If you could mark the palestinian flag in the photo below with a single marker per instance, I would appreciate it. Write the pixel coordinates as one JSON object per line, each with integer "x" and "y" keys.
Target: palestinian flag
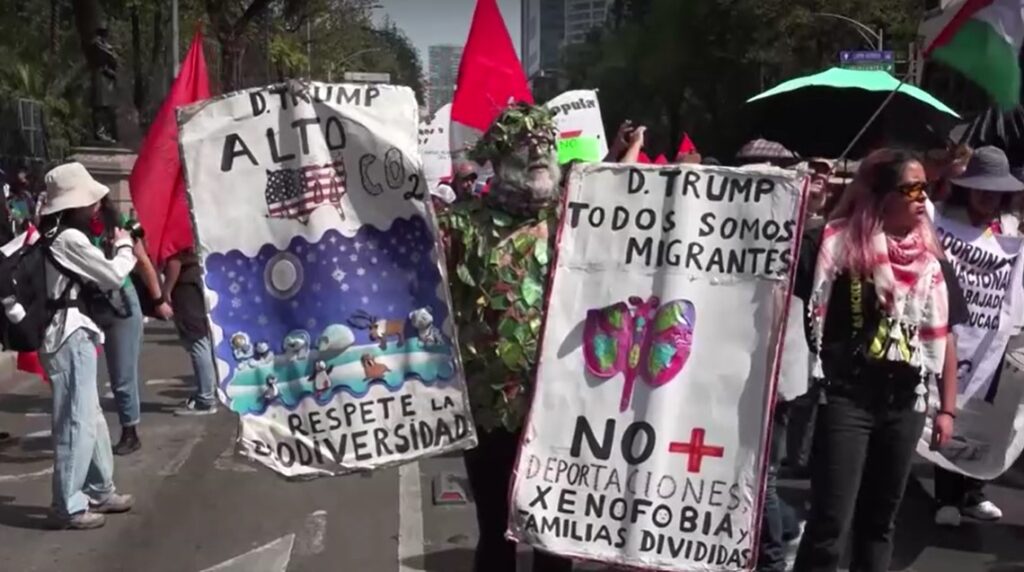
{"x": 982, "y": 40}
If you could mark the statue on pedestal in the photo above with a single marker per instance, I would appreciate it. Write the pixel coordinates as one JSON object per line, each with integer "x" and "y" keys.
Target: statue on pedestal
{"x": 103, "y": 64}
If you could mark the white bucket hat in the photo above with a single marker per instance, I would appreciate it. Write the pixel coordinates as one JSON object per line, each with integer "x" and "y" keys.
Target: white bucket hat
{"x": 70, "y": 186}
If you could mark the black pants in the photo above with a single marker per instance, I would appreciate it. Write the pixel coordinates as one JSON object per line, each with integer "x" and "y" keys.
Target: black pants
{"x": 864, "y": 443}
{"x": 489, "y": 468}
{"x": 800, "y": 430}
{"x": 957, "y": 490}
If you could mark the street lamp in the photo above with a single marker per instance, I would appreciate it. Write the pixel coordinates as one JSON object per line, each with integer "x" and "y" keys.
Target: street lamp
{"x": 874, "y": 38}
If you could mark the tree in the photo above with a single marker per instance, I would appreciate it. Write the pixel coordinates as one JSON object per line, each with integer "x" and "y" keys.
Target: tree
{"x": 690, "y": 66}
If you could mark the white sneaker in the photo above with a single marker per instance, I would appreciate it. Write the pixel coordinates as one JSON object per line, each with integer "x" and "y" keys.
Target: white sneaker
{"x": 948, "y": 516}
{"x": 986, "y": 510}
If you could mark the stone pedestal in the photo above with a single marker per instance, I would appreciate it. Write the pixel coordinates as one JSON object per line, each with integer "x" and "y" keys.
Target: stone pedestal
{"x": 110, "y": 166}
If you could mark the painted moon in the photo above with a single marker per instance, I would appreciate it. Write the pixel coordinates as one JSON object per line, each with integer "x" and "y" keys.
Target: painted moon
{"x": 283, "y": 275}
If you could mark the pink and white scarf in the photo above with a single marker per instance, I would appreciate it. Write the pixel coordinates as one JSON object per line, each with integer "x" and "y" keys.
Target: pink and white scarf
{"x": 910, "y": 287}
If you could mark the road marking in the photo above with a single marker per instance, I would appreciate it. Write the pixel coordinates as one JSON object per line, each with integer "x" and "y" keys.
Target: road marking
{"x": 25, "y": 476}
{"x": 171, "y": 381}
{"x": 37, "y": 414}
{"x": 174, "y": 465}
{"x": 311, "y": 540}
{"x": 410, "y": 516}
{"x": 271, "y": 557}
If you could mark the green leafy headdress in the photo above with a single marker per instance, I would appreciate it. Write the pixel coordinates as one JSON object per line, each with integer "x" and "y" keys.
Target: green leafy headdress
{"x": 519, "y": 124}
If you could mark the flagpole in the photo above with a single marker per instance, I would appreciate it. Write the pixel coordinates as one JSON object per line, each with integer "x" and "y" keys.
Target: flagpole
{"x": 174, "y": 37}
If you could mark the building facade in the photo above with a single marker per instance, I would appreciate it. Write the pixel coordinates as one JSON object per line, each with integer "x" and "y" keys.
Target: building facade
{"x": 550, "y": 25}
{"x": 443, "y": 64}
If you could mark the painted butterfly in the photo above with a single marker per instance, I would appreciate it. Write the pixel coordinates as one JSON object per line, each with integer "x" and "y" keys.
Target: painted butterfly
{"x": 649, "y": 340}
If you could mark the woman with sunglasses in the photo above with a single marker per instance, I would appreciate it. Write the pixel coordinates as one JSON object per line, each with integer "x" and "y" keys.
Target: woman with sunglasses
{"x": 981, "y": 197}
{"x": 880, "y": 309}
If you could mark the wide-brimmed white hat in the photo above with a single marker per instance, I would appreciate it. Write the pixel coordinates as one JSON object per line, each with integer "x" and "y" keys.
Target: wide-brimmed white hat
{"x": 70, "y": 186}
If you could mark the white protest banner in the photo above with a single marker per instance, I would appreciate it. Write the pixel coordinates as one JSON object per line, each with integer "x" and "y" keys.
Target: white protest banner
{"x": 645, "y": 444}
{"x": 435, "y": 147}
{"x": 578, "y": 114}
{"x": 989, "y": 395}
{"x": 329, "y": 309}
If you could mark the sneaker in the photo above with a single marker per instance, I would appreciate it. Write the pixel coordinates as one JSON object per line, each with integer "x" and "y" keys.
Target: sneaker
{"x": 129, "y": 442}
{"x": 948, "y": 516}
{"x": 194, "y": 407}
{"x": 986, "y": 510}
{"x": 114, "y": 504}
{"x": 793, "y": 546}
{"x": 84, "y": 520}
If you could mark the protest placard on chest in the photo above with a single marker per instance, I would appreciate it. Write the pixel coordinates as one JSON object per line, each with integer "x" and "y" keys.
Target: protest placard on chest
{"x": 989, "y": 271}
{"x": 645, "y": 441}
{"x": 328, "y": 305}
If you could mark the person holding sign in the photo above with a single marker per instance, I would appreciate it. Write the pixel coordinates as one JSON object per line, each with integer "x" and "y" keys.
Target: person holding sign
{"x": 501, "y": 247}
{"x": 981, "y": 198}
{"x": 880, "y": 310}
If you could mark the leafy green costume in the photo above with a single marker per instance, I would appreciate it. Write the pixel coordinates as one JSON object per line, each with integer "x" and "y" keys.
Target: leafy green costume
{"x": 499, "y": 256}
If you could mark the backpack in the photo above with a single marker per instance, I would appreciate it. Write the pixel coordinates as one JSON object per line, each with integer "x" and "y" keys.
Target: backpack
{"x": 26, "y": 311}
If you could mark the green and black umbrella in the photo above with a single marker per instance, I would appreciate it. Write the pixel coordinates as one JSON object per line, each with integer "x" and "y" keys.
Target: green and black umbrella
{"x": 819, "y": 115}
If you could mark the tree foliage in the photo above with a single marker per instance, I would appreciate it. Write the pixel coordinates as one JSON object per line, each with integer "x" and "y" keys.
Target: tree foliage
{"x": 248, "y": 43}
{"x": 690, "y": 66}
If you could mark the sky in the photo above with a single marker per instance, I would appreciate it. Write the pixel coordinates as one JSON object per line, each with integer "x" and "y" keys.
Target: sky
{"x": 429, "y": 22}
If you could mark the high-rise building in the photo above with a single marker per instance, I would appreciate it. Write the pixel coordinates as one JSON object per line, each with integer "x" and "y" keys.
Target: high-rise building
{"x": 581, "y": 16}
{"x": 550, "y": 25}
{"x": 444, "y": 72}
{"x": 543, "y": 29}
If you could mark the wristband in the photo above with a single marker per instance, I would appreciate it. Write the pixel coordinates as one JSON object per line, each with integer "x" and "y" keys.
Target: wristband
{"x": 944, "y": 412}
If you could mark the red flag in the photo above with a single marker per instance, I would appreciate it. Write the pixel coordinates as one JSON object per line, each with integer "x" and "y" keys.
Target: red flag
{"x": 28, "y": 362}
{"x": 490, "y": 77}
{"x": 643, "y": 159}
{"x": 157, "y": 185}
{"x": 660, "y": 160}
{"x": 686, "y": 147}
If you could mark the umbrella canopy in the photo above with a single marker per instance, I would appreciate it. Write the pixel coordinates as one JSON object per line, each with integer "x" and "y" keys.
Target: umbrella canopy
{"x": 997, "y": 128}
{"x": 819, "y": 115}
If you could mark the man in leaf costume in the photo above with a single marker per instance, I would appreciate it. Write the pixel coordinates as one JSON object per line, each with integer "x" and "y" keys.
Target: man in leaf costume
{"x": 499, "y": 255}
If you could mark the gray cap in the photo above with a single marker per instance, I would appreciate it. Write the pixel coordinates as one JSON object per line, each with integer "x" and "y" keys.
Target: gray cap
{"x": 989, "y": 170}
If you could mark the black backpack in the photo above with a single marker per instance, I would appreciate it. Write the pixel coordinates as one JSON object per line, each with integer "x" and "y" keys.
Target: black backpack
{"x": 26, "y": 312}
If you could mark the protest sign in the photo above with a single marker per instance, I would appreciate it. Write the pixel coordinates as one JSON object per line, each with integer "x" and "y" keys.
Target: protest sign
{"x": 328, "y": 307}
{"x": 581, "y": 148}
{"x": 435, "y": 146}
{"x": 578, "y": 114}
{"x": 645, "y": 444}
{"x": 989, "y": 394}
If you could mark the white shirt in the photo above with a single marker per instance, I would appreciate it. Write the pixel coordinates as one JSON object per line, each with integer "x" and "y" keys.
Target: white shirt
{"x": 76, "y": 254}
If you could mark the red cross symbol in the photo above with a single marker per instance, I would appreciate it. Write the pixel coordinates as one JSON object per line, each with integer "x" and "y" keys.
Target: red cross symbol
{"x": 695, "y": 450}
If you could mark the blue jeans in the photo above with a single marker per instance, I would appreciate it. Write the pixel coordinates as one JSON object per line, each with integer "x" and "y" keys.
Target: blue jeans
{"x": 83, "y": 463}
{"x": 122, "y": 348}
{"x": 779, "y": 523}
{"x": 200, "y": 351}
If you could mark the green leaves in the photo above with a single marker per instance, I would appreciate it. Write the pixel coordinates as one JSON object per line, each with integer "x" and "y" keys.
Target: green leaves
{"x": 464, "y": 275}
{"x": 531, "y": 291}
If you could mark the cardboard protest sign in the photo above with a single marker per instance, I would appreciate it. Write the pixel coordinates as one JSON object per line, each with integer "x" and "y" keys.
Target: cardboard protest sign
{"x": 989, "y": 394}
{"x": 328, "y": 305}
{"x": 645, "y": 444}
{"x": 578, "y": 114}
{"x": 580, "y": 148}
{"x": 435, "y": 147}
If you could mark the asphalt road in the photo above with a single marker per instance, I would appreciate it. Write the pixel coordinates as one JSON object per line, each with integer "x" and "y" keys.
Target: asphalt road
{"x": 201, "y": 509}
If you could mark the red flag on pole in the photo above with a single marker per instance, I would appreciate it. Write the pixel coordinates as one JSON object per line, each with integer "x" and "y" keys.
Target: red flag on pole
{"x": 490, "y": 77}
{"x": 157, "y": 185}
